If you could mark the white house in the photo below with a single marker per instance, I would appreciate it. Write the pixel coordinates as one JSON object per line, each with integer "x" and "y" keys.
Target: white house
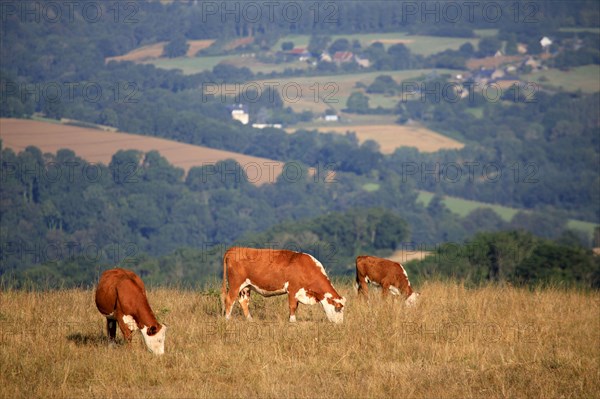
{"x": 545, "y": 42}
{"x": 240, "y": 113}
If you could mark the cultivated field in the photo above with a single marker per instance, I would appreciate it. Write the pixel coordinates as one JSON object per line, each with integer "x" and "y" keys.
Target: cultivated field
{"x": 96, "y": 145}
{"x": 319, "y": 93}
{"x": 584, "y": 78}
{"x": 418, "y": 44}
{"x": 393, "y": 136}
{"x": 456, "y": 343}
{"x": 463, "y": 207}
{"x": 492, "y": 62}
{"x": 153, "y": 51}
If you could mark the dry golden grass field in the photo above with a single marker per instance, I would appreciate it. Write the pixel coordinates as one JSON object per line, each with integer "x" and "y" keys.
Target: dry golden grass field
{"x": 492, "y": 62}
{"x": 96, "y": 145}
{"x": 487, "y": 342}
{"x": 155, "y": 50}
{"x": 393, "y": 136}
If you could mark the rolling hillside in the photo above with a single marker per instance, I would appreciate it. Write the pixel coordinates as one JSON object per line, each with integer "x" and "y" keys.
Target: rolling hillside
{"x": 97, "y": 145}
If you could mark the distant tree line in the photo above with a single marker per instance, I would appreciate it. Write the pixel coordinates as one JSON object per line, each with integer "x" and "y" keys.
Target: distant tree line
{"x": 514, "y": 257}
{"x": 64, "y": 219}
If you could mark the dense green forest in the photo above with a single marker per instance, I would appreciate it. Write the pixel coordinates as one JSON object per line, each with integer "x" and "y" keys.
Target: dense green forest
{"x": 538, "y": 151}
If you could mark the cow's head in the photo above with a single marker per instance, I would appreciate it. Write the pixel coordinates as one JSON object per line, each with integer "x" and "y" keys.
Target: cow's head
{"x": 334, "y": 307}
{"x": 154, "y": 337}
{"x": 412, "y": 298}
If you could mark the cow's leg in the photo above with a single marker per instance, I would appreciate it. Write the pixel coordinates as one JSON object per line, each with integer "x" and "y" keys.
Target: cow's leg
{"x": 293, "y": 302}
{"x": 244, "y": 300}
{"x": 385, "y": 288}
{"x": 363, "y": 286}
{"x": 230, "y": 298}
{"x": 123, "y": 327}
{"x": 111, "y": 329}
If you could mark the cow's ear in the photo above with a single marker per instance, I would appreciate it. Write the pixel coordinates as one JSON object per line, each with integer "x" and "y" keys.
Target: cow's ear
{"x": 151, "y": 331}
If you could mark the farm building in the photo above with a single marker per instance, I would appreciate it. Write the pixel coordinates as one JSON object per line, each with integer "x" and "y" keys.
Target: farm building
{"x": 240, "y": 113}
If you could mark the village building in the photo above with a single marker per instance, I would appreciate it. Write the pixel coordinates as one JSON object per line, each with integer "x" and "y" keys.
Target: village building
{"x": 240, "y": 113}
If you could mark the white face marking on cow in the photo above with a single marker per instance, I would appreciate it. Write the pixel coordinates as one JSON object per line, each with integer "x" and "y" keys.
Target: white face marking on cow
{"x": 412, "y": 299}
{"x": 130, "y": 322}
{"x": 394, "y": 290}
{"x": 332, "y": 314}
{"x": 302, "y": 297}
{"x": 319, "y": 264}
{"x": 155, "y": 343}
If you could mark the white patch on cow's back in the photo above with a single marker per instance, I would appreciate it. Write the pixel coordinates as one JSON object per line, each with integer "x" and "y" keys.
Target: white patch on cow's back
{"x": 319, "y": 265}
{"x": 394, "y": 290}
{"x": 405, "y": 275}
{"x": 130, "y": 322}
{"x": 302, "y": 297}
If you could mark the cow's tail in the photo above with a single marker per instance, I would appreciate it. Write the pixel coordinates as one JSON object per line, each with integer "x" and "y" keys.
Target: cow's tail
{"x": 357, "y": 283}
{"x": 224, "y": 286}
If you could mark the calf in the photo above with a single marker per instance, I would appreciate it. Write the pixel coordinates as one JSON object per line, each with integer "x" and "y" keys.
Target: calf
{"x": 391, "y": 276}
{"x": 121, "y": 297}
{"x": 277, "y": 272}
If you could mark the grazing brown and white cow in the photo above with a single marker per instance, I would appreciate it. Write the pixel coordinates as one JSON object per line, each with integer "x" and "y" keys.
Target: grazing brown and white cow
{"x": 390, "y": 275}
{"x": 121, "y": 297}
{"x": 277, "y": 272}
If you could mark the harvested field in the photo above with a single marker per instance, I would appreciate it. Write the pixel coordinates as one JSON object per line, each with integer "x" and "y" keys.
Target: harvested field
{"x": 492, "y": 62}
{"x": 238, "y": 42}
{"x": 392, "y": 41}
{"x": 390, "y": 137}
{"x": 405, "y": 255}
{"x": 141, "y": 54}
{"x": 155, "y": 50}
{"x": 197, "y": 45}
{"x": 96, "y": 145}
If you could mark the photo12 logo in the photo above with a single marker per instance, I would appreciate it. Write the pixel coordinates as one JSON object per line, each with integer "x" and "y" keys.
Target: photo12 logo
{"x": 252, "y": 92}
{"x": 270, "y": 11}
{"x": 54, "y": 12}
{"x": 68, "y": 92}
{"x": 268, "y": 172}
{"x": 470, "y": 11}
{"x": 452, "y": 92}
{"x": 453, "y": 172}
{"x": 56, "y": 251}
{"x": 70, "y": 172}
